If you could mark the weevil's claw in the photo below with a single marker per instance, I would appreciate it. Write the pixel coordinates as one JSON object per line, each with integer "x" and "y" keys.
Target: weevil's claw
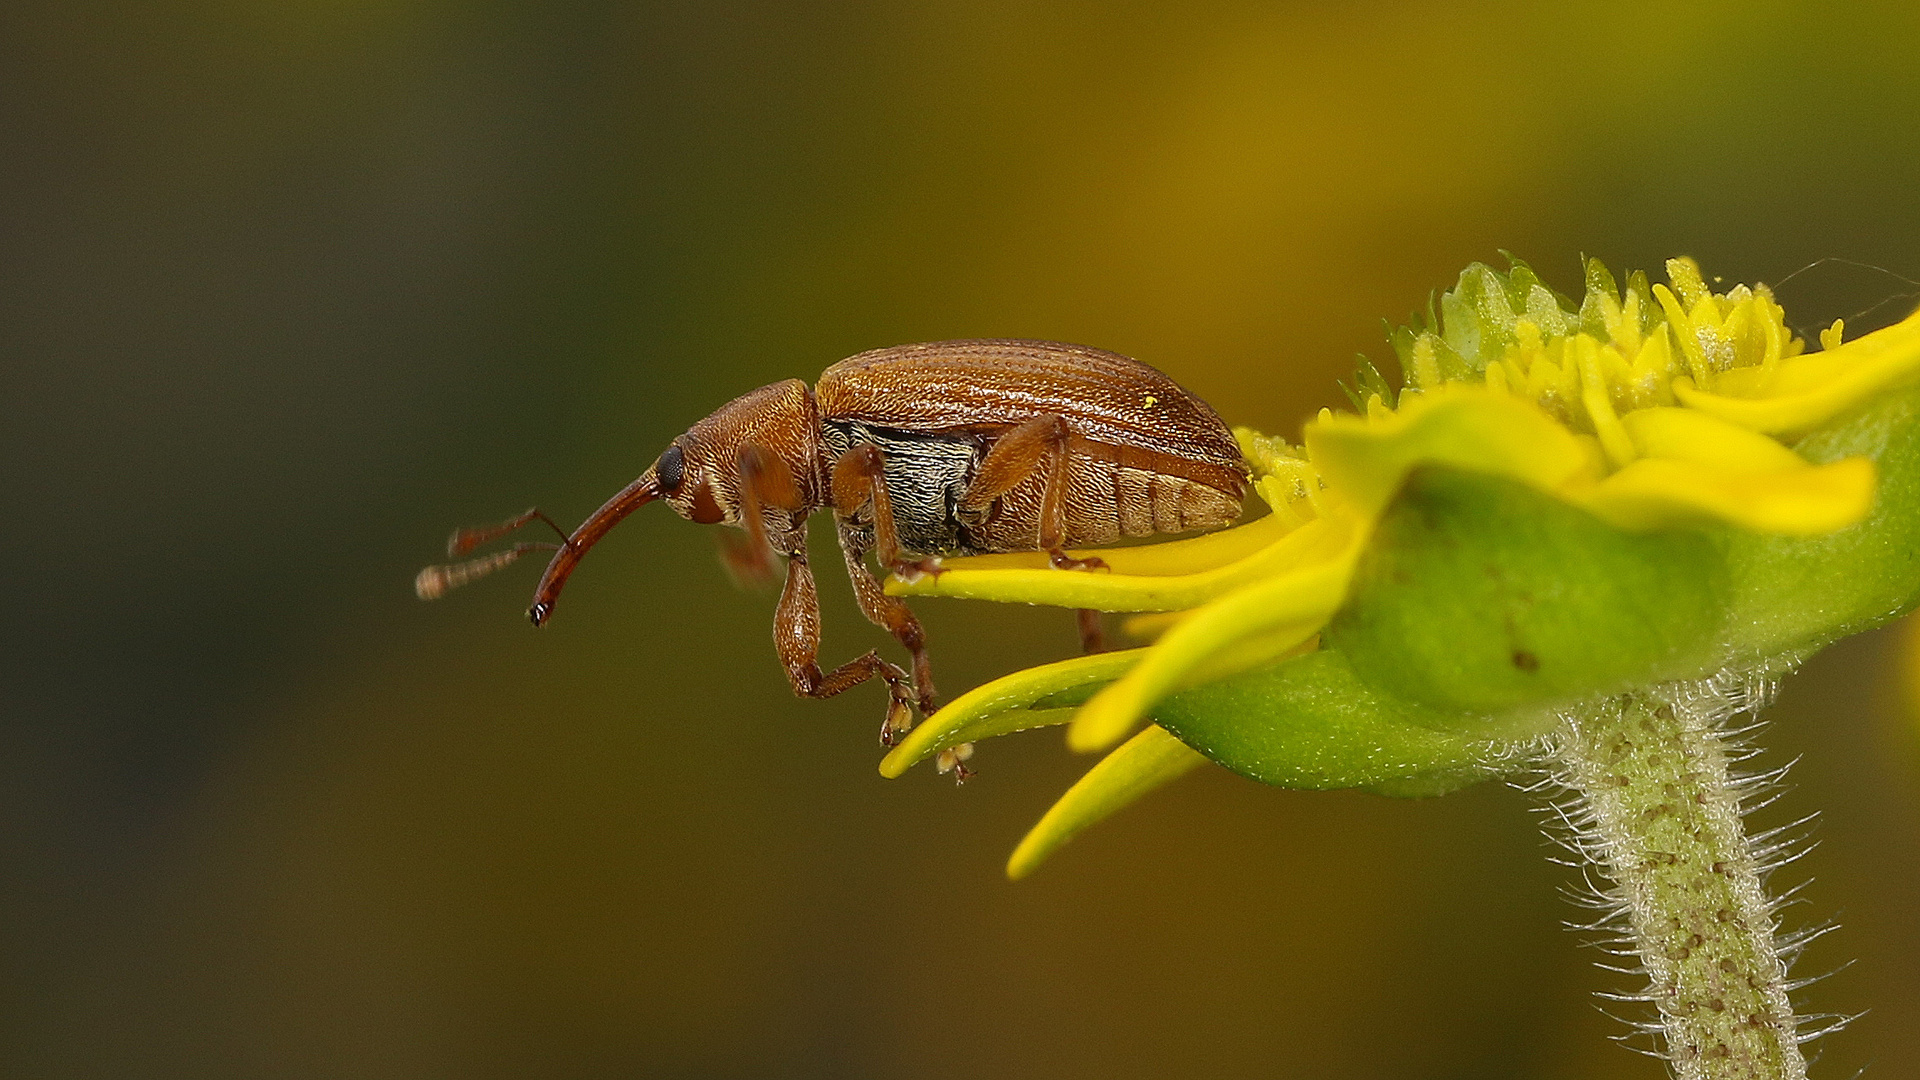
{"x": 914, "y": 569}
{"x": 1063, "y": 561}
{"x": 899, "y": 721}
{"x": 953, "y": 760}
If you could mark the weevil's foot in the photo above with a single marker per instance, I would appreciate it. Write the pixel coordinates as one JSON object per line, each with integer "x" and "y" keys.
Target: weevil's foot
{"x": 953, "y": 760}
{"x": 899, "y": 721}
{"x": 1063, "y": 561}
{"x": 911, "y": 570}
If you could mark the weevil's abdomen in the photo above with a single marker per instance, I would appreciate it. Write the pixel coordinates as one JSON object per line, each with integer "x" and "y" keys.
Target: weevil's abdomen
{"x": 1146, "y": 457}
{"x": 1145, "y": 503}
{"x": 1106, "y": 502}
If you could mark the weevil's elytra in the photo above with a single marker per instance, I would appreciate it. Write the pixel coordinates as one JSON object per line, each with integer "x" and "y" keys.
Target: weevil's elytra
{"x": 945, "y": 448}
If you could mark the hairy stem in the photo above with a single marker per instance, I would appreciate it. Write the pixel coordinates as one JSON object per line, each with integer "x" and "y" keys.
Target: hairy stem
{"x": 1660, "y": 815}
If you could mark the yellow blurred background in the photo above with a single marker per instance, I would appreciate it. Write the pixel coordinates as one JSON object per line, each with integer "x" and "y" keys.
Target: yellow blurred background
{"x": 287, "y": 290}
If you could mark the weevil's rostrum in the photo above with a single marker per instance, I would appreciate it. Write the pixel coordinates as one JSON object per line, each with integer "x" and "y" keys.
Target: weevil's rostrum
{"x": 922, "y": 451}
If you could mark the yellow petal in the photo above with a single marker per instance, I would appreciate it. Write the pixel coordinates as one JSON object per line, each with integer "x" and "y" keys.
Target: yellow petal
{"x": 1147, "y": 762}
{"x": 1005, "y": 705}
{"x": 1832, "y": 336}
{"x": 1151, "y": 625}
{"x": 1107, "y": 591}
{"x": 1804, "y": 500}
{"x": 1265, "y": 453}
{"x": 1186, "y": 556}
{"x": 1805, "y": 391}
{"x": 1260, "y": 621}
{"x": 1288, "y": 488}
{"x": 1585, "y": 352}
{"x": 1471, "y": 427}
{"x": 1684, "y": 331}
{"x": 1693, "y": 436}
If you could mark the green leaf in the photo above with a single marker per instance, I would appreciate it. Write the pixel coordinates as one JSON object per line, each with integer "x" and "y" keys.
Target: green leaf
{"x": 1479, "y": 594}
{"x": 1310, "y": 722}
{"x": 1796, "y": 594}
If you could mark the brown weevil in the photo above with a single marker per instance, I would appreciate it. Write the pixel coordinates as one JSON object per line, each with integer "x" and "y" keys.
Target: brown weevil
{"x": 921, "y": 451}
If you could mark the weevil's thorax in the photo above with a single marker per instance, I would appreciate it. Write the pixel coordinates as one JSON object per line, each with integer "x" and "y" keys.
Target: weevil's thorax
{"x": 926, "y": 474}
{"x": 700, "y": 474}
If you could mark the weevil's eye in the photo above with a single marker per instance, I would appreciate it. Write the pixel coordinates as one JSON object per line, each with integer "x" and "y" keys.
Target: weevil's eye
{"x": 670, "y": 470}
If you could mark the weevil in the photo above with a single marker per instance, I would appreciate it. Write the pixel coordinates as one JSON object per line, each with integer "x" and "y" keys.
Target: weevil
{"x": 921, "y": 452}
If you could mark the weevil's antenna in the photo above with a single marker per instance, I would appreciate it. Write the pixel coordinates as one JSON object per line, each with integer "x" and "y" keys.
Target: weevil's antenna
{"x": 631, "y": 498}
{"x": 465, "y": 540}
{"x": 436, "y": 581}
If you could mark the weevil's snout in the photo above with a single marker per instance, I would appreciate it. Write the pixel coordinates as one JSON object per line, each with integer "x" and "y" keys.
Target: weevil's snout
{"x": 632, "y": 497}
{"x": 697, "y": 475}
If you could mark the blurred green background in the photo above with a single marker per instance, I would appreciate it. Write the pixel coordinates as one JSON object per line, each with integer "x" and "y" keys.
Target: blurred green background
{"x": 289, "y": 289}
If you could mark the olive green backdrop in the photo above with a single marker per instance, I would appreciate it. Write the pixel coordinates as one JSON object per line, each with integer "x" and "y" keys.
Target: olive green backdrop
{"x": 288, "y": 289}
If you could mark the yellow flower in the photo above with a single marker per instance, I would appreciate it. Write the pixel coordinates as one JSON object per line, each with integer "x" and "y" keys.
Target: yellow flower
{"x": 1653, "y": 408}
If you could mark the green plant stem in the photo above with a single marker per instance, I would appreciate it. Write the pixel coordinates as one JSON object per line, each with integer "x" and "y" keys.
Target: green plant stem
{"x": 1661, "y": 817}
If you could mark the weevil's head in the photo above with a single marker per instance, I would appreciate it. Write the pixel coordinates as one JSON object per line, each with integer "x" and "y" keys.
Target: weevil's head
{"x": 772, "y": 431}
{"x": 700, "y": 474}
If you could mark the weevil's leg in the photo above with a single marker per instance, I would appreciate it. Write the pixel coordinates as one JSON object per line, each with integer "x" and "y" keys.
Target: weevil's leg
{"x": 764, "y": 481}
{"x": 796, "y": 636}
{"x": 465, "y": 540}
{"x": 1093, "y": 637}
{"x": 859, "y": 484}
{"x": 1040, "y": 444}
{"x": 889, "y": 612}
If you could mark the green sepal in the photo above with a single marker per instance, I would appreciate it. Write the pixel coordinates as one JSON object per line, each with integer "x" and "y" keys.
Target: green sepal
{"x": 1478, "y": 315}
{"x": 1601, "y": 293}
{"x": 1368, "y": 383}
{"x": 1796, "y": 594}
{"x": 1310, "y": 723}
{"x": 1478, "y": 595}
